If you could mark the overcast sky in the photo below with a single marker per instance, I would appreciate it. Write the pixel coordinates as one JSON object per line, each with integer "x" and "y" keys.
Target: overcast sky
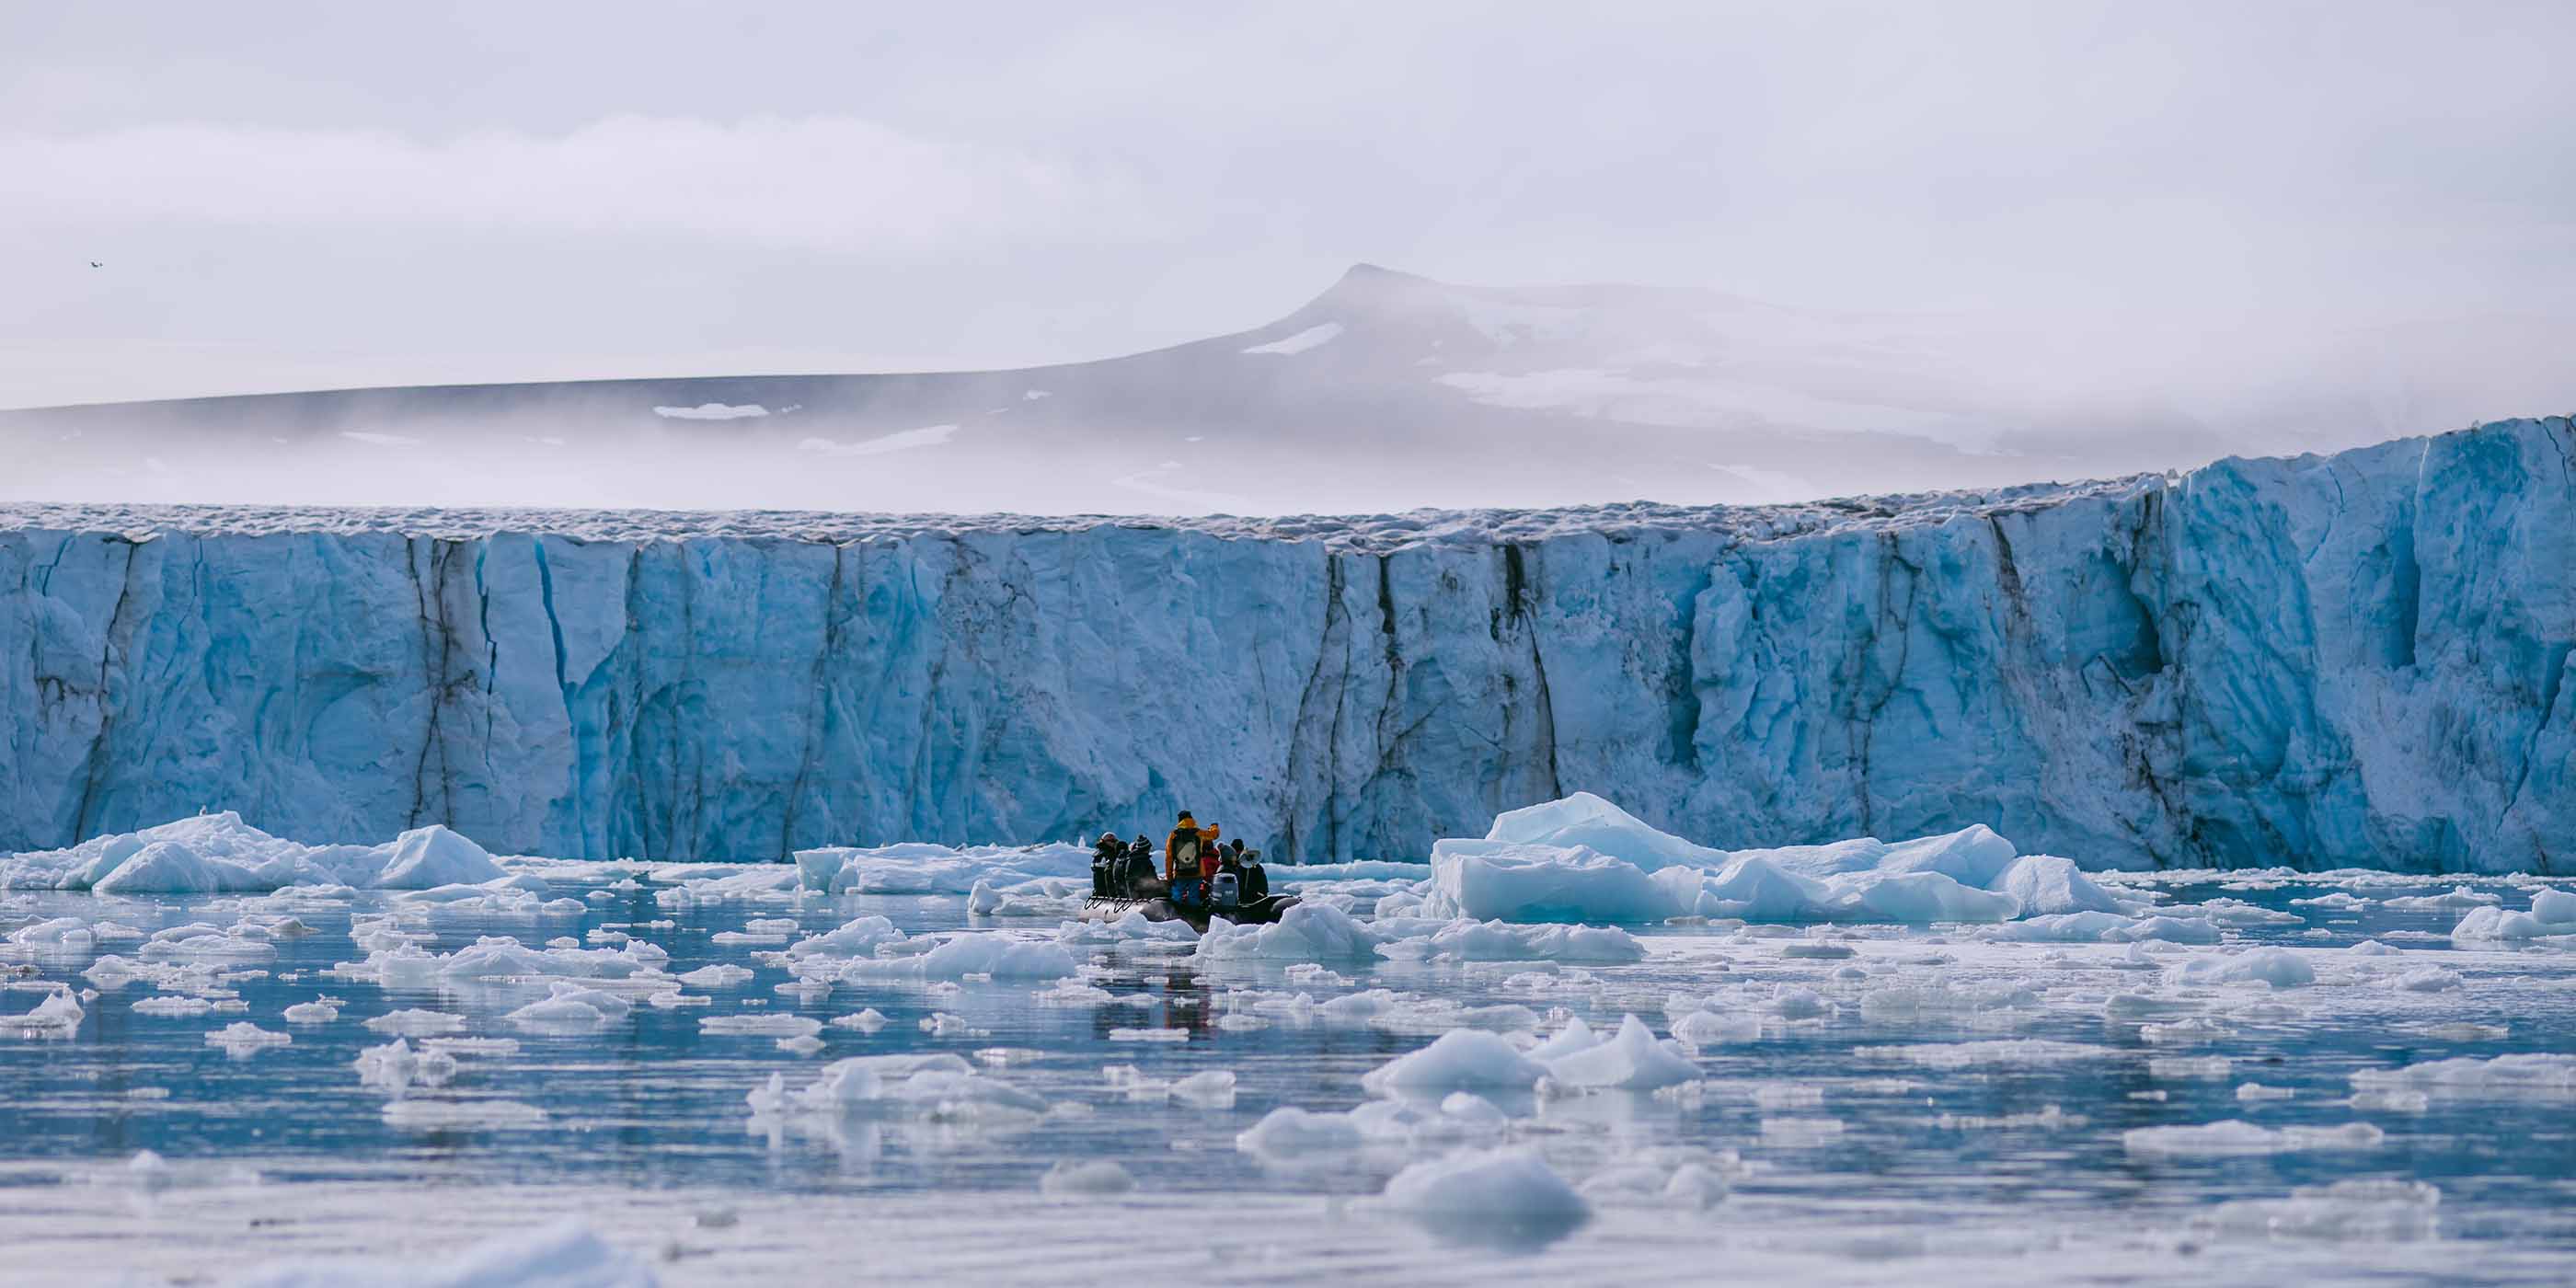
{"x": 291, "y": 196}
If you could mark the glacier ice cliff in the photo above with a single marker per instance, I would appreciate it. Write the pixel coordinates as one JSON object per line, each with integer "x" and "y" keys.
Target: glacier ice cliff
{"x": 2352, "y": 660}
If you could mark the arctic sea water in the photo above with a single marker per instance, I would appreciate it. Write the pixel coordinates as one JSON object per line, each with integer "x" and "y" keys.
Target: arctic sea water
{"x": 2245, "y": 1076}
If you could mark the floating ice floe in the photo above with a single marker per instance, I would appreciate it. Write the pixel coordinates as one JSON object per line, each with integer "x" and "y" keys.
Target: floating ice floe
{"x": 859, "y": 937}
{"x": 1467, "y": 940}
{"x": 1097, "y": 1177}
{"x": 1309, "y": 932}
{"x": 1672, "y": 1176}
{"x": 992, "y": 953}
{"x": 1459, "y": 1060}
{"x": 760, "y": 1026}
{"x": 2233, "y": 1137}
{"x": 571, "y": 1008}
{"x": 2553, "y": 912}
{"x": 923, "y": 868}
{"x": 1506, "y": 1198}
{"x": 1989, "y": 1053}
{"x": 454, "y": 1115}
{"x": 939, "y": 1086}
{"x": 2528, "y": 1073}
{"x": 502, "y": 957}
{"x": 2371, "y": 1209}
{"x": 1584, "y": 859}
{"x": 220, "y": 854}
{"x": 1629, "y": 1060}
{"x": 2458, "y": 897}
{"x": 244, "y": 1037}
{"x": 59, "y": 1015}
{"x": 416, "y": 1023}
{"x": 2278, "y": 967}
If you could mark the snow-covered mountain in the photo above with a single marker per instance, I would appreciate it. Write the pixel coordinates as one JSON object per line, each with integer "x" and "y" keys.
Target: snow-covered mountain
{"x": 2361, "y": 659}
{"x": 1389, "y": 391}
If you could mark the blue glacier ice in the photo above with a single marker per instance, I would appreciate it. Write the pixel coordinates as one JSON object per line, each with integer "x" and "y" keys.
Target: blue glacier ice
{"x": 2349, "y": 660}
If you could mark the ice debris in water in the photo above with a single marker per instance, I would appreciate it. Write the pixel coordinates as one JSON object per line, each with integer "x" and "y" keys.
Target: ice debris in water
{"x": 1462, "y": 1059}
{"x": 1629, "y": 1060}
{"x": 762, "y": 1026}
{"x": 2235, "y": 1137}
{"x": 59, "y": 1015}
{"x": 2553, "y": 912}
{"x": 416, "y": 1023}
{"x": 2549, "y": 1073}
{"x": 220, "y": 854}
{"x": 934, "y": 1085}
{"x": 2278, "y": 967}
{"x": 1309, "y": 932}
{"x": 1099, "y": 1176}
{"x": 243, "y": 1037}
{"x": 995, "y": 954}
{"x": 1507, "y": 1198}
{"x": 460, "y": 1115}
{"x": 1584, "y": 859}
{"x": 2364, "y": 1210}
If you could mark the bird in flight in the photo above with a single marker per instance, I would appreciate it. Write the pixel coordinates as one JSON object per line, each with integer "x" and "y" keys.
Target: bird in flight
{"x": 95, "y": 264}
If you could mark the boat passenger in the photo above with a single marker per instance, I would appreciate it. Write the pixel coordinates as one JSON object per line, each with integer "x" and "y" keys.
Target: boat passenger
{"x": 1181, "y": 848}
{"x": 1108, "y": 863}
{"x": 1211, "y": 854}
{"x": 1140, "y": 880}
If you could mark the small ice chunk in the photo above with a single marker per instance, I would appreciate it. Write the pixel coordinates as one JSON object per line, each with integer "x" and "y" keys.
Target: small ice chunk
{"x": 2233, "y": 1137}
{"x": 761, "y": 1026}
{"x": 1708, "y": 1028}
{"x": 244, "y": 1037}
{"x": 1506, "y": 1198}
{"x": 453, "y": 1115}
{"x": 416, "y": 1023}
{"x": 1099, "y": 1176}
{"x": 1461, "y": 1059}
{"x": 1213, "y": 1088}
{"x": 1632, "y": 1060}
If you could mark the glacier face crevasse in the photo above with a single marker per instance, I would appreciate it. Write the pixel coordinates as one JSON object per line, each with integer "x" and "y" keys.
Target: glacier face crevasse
{"x": 2359, "y": 659}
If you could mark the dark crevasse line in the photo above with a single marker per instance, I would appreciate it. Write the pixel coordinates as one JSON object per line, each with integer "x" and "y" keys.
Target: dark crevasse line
{"x": 116, "y": 651}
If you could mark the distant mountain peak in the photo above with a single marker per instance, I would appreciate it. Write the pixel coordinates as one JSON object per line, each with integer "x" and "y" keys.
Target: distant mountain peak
{"x": 1374, "y": 289}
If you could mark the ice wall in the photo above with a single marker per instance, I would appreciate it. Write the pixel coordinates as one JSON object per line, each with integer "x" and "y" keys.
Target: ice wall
{"x": 2348, "y": 660}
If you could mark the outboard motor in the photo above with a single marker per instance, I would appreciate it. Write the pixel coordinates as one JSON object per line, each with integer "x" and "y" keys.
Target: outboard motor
{"x": 1225, "y": 891}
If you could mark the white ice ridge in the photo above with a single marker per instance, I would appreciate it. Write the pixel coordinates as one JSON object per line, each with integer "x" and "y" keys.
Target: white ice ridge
{"x": 2354, "y": 660}
{"x": 1583, "y": 859}
{"x": 220, "y": 854}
